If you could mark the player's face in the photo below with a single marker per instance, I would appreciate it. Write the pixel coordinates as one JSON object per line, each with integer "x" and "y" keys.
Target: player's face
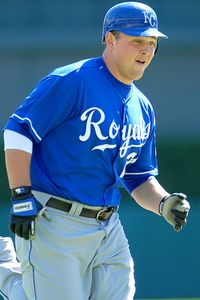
{"x": 130, "y": 56}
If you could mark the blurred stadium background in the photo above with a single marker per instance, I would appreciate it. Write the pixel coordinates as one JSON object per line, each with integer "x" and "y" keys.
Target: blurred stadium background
{"x": 37, "y": 36}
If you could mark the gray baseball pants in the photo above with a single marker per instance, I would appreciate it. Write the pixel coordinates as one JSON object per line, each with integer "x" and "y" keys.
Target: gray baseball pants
{"x": 76, "y": 258}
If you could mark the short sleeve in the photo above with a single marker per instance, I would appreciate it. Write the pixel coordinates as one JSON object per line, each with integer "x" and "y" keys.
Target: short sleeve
{"x": 49, "y": 104}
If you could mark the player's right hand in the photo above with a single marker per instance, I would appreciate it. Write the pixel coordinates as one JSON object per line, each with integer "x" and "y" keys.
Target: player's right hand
{"x": 175, "y": 208}
{"x": 24, "y": 210}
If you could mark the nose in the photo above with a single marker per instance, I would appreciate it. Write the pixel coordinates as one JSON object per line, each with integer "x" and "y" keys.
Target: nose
{"x": 146, "y": 49}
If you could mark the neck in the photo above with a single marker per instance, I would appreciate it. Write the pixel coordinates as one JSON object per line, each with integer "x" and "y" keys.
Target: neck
{"x": 110, "y": 64}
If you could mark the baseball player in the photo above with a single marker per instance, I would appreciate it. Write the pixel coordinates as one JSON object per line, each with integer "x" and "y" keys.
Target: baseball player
{"x": 85, "y": 131}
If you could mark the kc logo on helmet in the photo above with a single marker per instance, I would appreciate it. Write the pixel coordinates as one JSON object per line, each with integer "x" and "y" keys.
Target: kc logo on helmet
{"x": 149, "y": 18}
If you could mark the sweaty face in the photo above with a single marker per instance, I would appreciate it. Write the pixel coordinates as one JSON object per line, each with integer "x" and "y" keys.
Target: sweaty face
{"x": 130, "y": 56}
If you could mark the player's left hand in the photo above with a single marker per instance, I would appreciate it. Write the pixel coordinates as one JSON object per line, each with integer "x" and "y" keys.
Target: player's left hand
{"x": 175, "y": 208}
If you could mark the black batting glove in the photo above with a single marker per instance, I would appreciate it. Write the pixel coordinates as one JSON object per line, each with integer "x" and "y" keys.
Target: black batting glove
{"x": 24, "y": 210}
{"x": 175, "y": 208}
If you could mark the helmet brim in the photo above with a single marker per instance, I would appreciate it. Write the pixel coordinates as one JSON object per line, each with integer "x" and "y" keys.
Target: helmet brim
{"x": 141, "y": 32}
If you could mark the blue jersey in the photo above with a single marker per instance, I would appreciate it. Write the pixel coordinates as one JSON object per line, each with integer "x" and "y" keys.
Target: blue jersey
{"x": 91, "y": 134}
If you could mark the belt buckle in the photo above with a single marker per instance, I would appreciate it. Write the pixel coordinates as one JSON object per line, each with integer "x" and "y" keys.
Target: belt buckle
{"x": 101, "y": 217}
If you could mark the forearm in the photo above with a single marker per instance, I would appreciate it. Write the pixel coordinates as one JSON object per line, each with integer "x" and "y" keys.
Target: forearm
{"x": 149, "y": 194}
{"x": 24, "y": 206}
{"x": 18, "y": 167}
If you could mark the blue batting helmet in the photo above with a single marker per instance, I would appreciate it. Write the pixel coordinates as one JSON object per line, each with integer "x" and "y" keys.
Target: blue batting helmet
{"x": 132, "y": 18}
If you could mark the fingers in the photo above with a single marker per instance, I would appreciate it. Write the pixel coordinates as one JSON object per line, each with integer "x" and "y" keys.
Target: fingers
{"x": 26, "y": 230}
{"x": 19, "y": 229}
{"x": 32, "y": 230}
{"x": 183, "y": 206}
{"x": 180, "y": 219}
{"x": 12, "y": 227}
{"x": 23, "y": 228}
{"x": 175, "y": 209}
{"x": 177, "y": 227}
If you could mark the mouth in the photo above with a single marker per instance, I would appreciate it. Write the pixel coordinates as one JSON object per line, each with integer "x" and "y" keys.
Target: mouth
{"x": 141, "y": 62}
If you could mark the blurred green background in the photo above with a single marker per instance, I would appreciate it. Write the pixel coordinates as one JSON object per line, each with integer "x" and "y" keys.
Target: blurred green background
{"x": 37, "y": 36}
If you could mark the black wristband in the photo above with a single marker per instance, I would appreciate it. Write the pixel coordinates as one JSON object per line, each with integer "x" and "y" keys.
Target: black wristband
{"x": 20, "y": 191}
{"x": 161, "y": 204}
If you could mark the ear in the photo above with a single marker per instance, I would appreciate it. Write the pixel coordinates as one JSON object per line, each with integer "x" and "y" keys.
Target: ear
{"x": 109, "y": 39}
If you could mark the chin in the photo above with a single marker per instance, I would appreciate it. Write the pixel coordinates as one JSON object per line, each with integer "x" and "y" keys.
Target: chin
{"x": 139, "y": 76}
{"x": 136, "y": 74}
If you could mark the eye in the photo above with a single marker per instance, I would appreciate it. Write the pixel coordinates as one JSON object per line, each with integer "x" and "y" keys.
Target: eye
{"x": 153, "y": 43}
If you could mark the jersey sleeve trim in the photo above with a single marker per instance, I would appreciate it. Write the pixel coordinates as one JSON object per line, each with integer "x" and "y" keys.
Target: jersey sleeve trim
{"x": 155, "y": 171}
{"x": 27, "y": 120}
